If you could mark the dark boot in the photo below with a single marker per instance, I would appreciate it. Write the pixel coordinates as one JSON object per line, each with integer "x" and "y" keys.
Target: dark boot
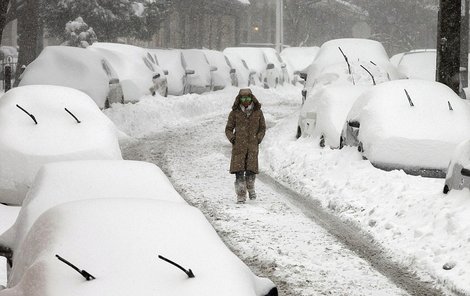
{"x": 240, "y": 187}
{"x": 250, "y": 185}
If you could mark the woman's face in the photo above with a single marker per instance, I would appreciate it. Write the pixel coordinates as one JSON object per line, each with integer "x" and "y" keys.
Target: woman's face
{"x": 246, "y": 101}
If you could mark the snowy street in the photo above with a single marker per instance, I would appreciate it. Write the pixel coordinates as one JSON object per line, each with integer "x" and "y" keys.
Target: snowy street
{"x": 275, "y": 235}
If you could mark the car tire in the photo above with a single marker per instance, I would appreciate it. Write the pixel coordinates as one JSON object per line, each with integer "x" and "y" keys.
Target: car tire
{"x": 446, "y": 189}
{"x": 299, "y": 132}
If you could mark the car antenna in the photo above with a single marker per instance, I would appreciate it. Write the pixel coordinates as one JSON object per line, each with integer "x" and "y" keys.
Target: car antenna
{"x": 188, "y": 272}
{"x": 373, "y": 63}
{"x": 409, "y": 99}
{"x": 29, "y": 114}
{"x": 78, "y": 121}
{"x": 450, "y": 106}
{"x": 373, "y": 80}
{"x": 83, "y": 272}
{"x": 347, "y": 62}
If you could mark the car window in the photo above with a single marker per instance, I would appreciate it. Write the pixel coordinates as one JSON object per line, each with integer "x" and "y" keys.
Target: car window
{"x": 148, "y": 64}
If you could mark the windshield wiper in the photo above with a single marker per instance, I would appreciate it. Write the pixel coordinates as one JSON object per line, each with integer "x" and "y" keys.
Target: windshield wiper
{"x": 29, "y": 114}
{"x": 188, "y": 272}
{"x": 78, "y": 121}
{"x": 373, "y": 80}
{"x": 347, "y": 62}
{"x": 83, "y": 272}
{"x": 409, "y": 99}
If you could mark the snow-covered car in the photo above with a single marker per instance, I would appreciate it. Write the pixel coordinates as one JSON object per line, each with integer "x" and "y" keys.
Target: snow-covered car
{"x": 45, "y": 123}
{"x": 323, "y": 114}
{"x": 256, "y": 61}
{"x": 172, "y": 61}
{"x": 408, "y": 124}
{"x": 418, "y": 64}
{"x": 67, "y": 181}
{"x": 201, "y": 80}
{"x": 458, "y": 172}
{"x": 138, "y": 74}
{"x": 278, "y": 75}
{"x": 297, "y": 59}
{"x": 128, "y": 247}
{"x": 72, "y": 67}
{"x": 225, "y": 74}
{"x": 359, "y": 59}
{"x": 353, "y": 71}
{"x": 245, "y": 76}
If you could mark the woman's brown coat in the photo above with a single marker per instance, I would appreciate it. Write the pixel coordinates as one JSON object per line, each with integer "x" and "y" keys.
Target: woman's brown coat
{"x": 245, "y": 133}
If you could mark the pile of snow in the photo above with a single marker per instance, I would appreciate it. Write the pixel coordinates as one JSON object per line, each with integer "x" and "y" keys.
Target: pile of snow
{"x": 133, "y": 67}
{"x": 176, "y": 231}
{"x": 396, "y": 134}
{"x": 26, "y": 146}
{"x": 72, "y": 67}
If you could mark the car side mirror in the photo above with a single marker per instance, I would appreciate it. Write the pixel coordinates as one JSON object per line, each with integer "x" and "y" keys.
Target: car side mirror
{"x": 270, "y": 66}
{"x": 7, "y": 253}
{"x": 189, "y": 72}
{"x": 283, "y": 65}
{"x": 213, "y": 68}
{"x": 165, "y": 72}
{"x": 465, "y": 172}
{"x": 232, "y": 71}
{"x": 354, "y": 123}
{"x": 303, "y": 75}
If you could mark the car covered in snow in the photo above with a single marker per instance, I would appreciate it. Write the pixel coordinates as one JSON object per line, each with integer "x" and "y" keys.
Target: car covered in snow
{"x": 46, "y": 123}
{"x": 172, "y": 61}
{"x": 458, "y": 172}
{"x": 297, "y": 59}
{"x": 128, "y": 247}
{"x": 255, "y": 58}
{"x": 413, "y": 125}
{"x": 418, "y": 64}
{"x": 66, "y": 181}
{"x": 224, "y": 75}
{"x": 139, "y": 75}
{"x": 279, "y": 74}
{"x": 244, "y": 76}
{"x": 201, "y": 81}
{"x": 352, "y": 64}
{"x": 72, "y": 67}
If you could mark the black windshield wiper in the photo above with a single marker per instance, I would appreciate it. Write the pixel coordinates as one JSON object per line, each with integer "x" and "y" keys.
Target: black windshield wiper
{"x": 78, "y": 121}
{"x": 83, "y": 272}
{"x": 347, "y": 62}
{"x": 29, "y": 114}
{"x": 188, "y": 272}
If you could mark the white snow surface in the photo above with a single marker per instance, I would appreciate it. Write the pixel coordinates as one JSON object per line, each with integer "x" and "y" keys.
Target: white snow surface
{"x": 425, "y": 135}
{"x": 409, "y": 216}
{"x": 118, "y": 241}
{"x": 26, "y": 146}
{"x": 72, "y": 67}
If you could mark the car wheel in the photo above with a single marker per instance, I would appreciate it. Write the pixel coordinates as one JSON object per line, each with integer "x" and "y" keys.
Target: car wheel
{"x": 446, "y": 189}
{"x": 322, "y": 141}
{"x": 299, "y": 132}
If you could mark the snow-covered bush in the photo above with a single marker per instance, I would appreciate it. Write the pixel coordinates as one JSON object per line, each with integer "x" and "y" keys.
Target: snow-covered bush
{"x": 78, "y": 34}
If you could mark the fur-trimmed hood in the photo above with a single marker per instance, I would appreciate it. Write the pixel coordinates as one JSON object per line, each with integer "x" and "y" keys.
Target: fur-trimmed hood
{"x": 244, "y": 92}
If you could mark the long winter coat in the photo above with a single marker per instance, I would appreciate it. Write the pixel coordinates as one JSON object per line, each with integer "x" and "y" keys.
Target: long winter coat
{"x": 245, "y": 133}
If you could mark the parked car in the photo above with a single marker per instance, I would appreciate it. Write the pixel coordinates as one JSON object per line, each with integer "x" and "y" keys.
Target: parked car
{"x": 73, "y": 67}
{"x": 328, "y": 74}
{"x": 256, "y": 60}
{"x": 138, "y": 74}
{"x": 408, "y": 124}
{"x": 67, "y": 181}
{"x": 297, "y": 59}
{"x": 279, "y": 75}
{"x": 225, "y": 74}
{"x": 245, "y": 76}
{"x": 201, "y": 80}
{"x": 418, "y": 64}
{"x": 458, "y": 172}
{"x": 46, "y": 123}
{"x": 172, "y": 60}
{"x": 161, "y": 247}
